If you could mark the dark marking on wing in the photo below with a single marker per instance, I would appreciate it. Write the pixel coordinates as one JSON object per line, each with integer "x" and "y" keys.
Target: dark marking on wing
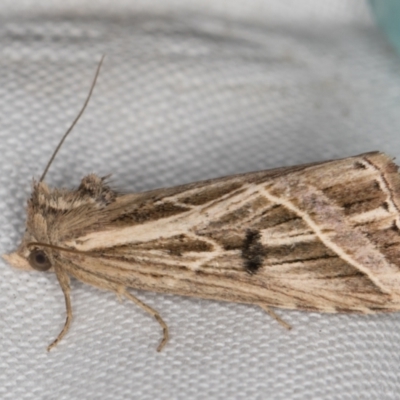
{"x": 274, "y": 216}
{"x": 151, "y": 212}
{"x": 362, "y": 196}
{"x": 207, "y": 194}
{"x": 177, "y": 245}
{"x": 359, "y": 165}
{"x": 252, "y": 251}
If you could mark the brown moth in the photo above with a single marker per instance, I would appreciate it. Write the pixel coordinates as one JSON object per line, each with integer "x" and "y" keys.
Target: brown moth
{"x": 319, "y": 237}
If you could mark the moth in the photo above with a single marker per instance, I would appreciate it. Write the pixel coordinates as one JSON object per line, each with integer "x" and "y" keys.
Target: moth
{"x": 320, "y": 237}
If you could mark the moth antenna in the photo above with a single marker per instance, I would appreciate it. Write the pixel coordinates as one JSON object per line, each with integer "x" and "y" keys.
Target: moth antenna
{"x": 75, "y": 120}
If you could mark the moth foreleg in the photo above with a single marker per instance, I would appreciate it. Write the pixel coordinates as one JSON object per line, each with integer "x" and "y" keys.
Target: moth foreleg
{"x": 275, "y": 316}
{"x": 152, "y": 312}
{"x": 64, "y": 280}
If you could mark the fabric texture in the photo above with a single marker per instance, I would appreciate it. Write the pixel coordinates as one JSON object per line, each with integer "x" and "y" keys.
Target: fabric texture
{"x": 189, "y": 90}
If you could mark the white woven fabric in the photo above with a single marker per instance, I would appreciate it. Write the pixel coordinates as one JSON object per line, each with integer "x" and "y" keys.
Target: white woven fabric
{"x": 189, "y": 90}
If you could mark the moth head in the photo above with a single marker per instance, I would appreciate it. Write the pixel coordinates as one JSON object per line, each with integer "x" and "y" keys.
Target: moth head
{"x": 36, "y": 259}
{"x": 30, "y": 257}
{"x": 56, "y": 215}
{"x": 27, "y": 257}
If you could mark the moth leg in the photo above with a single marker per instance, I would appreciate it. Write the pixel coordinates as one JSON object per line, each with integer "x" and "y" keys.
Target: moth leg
{"x": 154, "y": 313}
{"x": 275, "y": 316}
{"x": 63, "y": 279}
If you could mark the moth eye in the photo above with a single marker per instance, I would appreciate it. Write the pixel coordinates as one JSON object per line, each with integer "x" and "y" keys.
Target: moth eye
{"x": 39, "y": 261}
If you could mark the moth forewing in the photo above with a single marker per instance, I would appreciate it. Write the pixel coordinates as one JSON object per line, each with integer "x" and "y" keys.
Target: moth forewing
{"x": 281, "y": 238}
{"x": 322, "y": 237}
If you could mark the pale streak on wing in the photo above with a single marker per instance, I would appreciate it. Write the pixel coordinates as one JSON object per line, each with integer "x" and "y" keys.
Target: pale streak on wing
{"x": 267, "y": 240}
{"x": 167, "y": 227}
{"x": 377, "y": 214}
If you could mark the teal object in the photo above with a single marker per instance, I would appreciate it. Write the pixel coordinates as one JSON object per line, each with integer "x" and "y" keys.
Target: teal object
{"x": 387, "y": 15}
